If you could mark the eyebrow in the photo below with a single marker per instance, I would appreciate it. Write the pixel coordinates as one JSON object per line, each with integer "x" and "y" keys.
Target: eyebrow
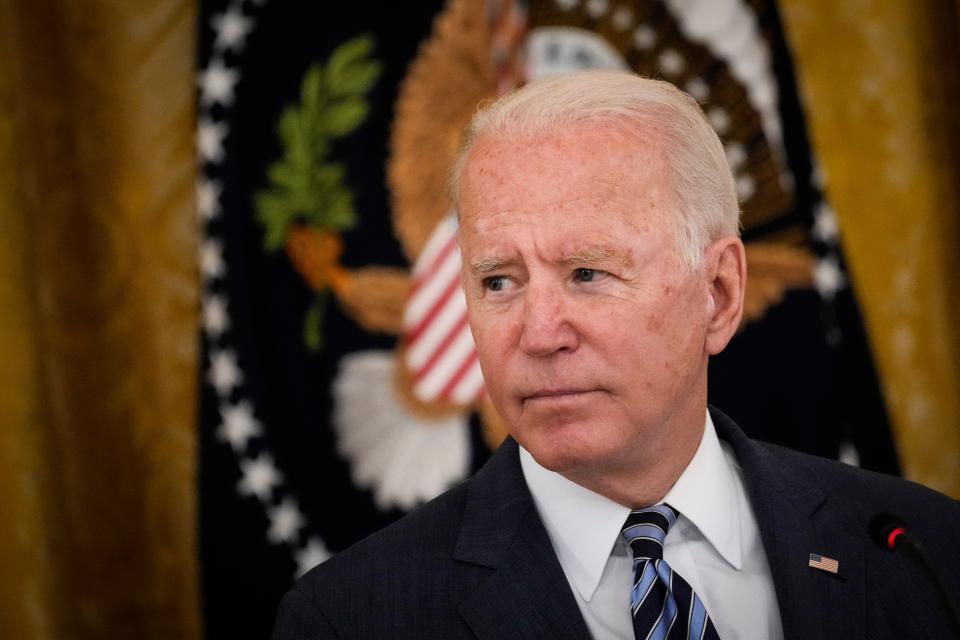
{"x": 482, "y": 266}
{"x": 588, "y": 256}
{"x": 595, "y": 255}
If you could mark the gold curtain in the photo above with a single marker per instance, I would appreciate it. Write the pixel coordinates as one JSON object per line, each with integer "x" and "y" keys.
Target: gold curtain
{"x": 98, "y": 305}
{"x": 880, "y": 81}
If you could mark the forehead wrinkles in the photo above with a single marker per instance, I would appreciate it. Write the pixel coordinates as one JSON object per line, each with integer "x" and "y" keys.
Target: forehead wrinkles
{"x": 615, "y": 162}
{"x": 586, "y": 170}
{"x": 604, "y": 144}
{"x": 592, "y": 198}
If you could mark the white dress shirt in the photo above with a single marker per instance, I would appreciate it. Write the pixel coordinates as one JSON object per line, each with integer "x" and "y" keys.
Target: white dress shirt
{"x": 715, "y": 545}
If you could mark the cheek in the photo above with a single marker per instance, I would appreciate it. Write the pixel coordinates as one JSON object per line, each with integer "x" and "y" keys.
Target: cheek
{"x": 495, "y": 335}
{"x": 491, "y": 335}
{"x": 659, "y": 343}
{"x": 681, "y": 333}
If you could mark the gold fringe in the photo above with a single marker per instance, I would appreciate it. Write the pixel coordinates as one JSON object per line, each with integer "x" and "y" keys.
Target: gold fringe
{"x": 445, "y": 84}
{"x": 772, "y": 270}
{"x": 375, "y": 297}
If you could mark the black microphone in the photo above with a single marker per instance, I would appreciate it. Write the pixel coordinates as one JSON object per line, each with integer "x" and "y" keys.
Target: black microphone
{"x": 893, "y": 534}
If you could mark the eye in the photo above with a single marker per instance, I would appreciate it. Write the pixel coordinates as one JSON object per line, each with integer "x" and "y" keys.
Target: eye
{"x": 585, "y": 275}
{"x": 495, "y": 283}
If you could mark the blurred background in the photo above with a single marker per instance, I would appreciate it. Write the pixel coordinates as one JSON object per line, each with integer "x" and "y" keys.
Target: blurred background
{"x": 232, "y": 338}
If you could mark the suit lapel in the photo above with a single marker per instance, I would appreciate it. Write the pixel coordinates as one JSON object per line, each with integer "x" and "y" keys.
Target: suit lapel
{"x": 527, "y": 594}
{"x": 793, "y": 515}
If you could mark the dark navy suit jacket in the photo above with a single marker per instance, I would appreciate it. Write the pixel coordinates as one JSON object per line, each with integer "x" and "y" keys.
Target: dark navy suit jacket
{"x": 477, "y": 563}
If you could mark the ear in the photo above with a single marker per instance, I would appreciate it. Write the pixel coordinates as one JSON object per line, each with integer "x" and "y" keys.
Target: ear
{"x": 725, "y": 267}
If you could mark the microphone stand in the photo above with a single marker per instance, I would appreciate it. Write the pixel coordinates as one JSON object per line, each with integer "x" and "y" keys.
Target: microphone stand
{"x": 891, "y": 533}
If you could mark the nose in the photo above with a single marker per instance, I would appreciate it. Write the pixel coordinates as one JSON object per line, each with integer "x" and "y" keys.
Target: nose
{"x": 547, "y": 322}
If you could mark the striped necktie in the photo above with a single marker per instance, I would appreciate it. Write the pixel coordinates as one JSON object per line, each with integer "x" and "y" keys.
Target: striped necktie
{"x": 663, "y": 604}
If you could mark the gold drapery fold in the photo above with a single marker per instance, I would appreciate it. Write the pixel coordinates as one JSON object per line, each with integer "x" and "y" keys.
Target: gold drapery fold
{"x": 98, "y": 331}
{"x": 880, "y": 83}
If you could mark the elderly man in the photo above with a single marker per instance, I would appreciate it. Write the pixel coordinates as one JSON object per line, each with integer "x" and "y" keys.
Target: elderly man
{"x": 602, "y": 267}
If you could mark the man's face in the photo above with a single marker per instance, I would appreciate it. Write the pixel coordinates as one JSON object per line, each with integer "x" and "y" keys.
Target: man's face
{"x": 590, "y": 331}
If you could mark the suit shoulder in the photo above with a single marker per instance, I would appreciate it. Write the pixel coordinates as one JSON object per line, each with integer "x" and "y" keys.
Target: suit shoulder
{"x": 427, "y": 533}
{"x": 406, "y": 572}
{"x": 864, "y": 490}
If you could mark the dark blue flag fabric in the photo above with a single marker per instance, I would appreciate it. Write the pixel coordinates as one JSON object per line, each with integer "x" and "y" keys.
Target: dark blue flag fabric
{"x": 340, "y": 384}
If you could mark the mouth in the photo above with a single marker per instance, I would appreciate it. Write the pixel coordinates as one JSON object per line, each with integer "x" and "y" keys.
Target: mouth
{"x": 546, "y": 395}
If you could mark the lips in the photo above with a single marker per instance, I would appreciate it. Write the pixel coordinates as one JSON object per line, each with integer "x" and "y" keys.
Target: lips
{"x": 558, "y": 394}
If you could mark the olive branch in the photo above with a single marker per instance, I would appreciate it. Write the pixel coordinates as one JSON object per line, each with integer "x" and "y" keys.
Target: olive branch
{"x": 307, "y": 188}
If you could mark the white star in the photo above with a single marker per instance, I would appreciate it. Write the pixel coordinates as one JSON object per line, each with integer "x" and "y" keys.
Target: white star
{"x": 825, "y": 228}
{"x": 736, "y": 155}
{"x": 834, "y": 336}
{"x": 671, "y": 62}
{"x": 310, "y": 556}
{"x": 215, "y": 317}
{"x": 285, "y": 521}
{"x": 210, "y": 136}
{"x": 260, "y": 476}
{"x": 697, "y": 88}
{"x": 211, "y": 258}
{"x": 232, "y": 29}
{"x": 720, "y": 119}
{"x": 827, "y": 277}
{"x": 239, "y": 425}
{"x": 596, "y": 8}
{"x": 622, "y": 18}
{"x": 644, "y": 37}
{"x": 217, "y": 83}
{"x": 208, "y": 197}
{"x": 224, "y": 374}
{"x": 746, "y": 187}
{"x": 848, "y": 454}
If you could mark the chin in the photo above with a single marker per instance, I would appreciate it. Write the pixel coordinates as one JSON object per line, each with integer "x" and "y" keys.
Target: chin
{"x": 569, "y": 449}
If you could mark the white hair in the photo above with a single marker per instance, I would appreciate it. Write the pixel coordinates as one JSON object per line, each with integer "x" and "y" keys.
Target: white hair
{"x": 702, "y": 184}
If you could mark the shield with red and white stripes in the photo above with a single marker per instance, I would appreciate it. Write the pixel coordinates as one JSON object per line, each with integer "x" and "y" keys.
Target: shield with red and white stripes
{"x": 441, "y": 356}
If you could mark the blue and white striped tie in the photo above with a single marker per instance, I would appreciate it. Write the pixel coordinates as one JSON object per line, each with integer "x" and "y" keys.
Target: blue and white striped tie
{"x": 663, "y": 604}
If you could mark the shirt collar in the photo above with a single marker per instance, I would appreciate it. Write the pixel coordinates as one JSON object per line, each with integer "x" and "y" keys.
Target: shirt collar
{"x": 584, "y": 526}
{"x": 706, "y": 495}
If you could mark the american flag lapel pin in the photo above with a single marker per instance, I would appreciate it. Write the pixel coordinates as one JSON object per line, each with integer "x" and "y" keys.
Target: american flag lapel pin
{"x": 823, "y": 563}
